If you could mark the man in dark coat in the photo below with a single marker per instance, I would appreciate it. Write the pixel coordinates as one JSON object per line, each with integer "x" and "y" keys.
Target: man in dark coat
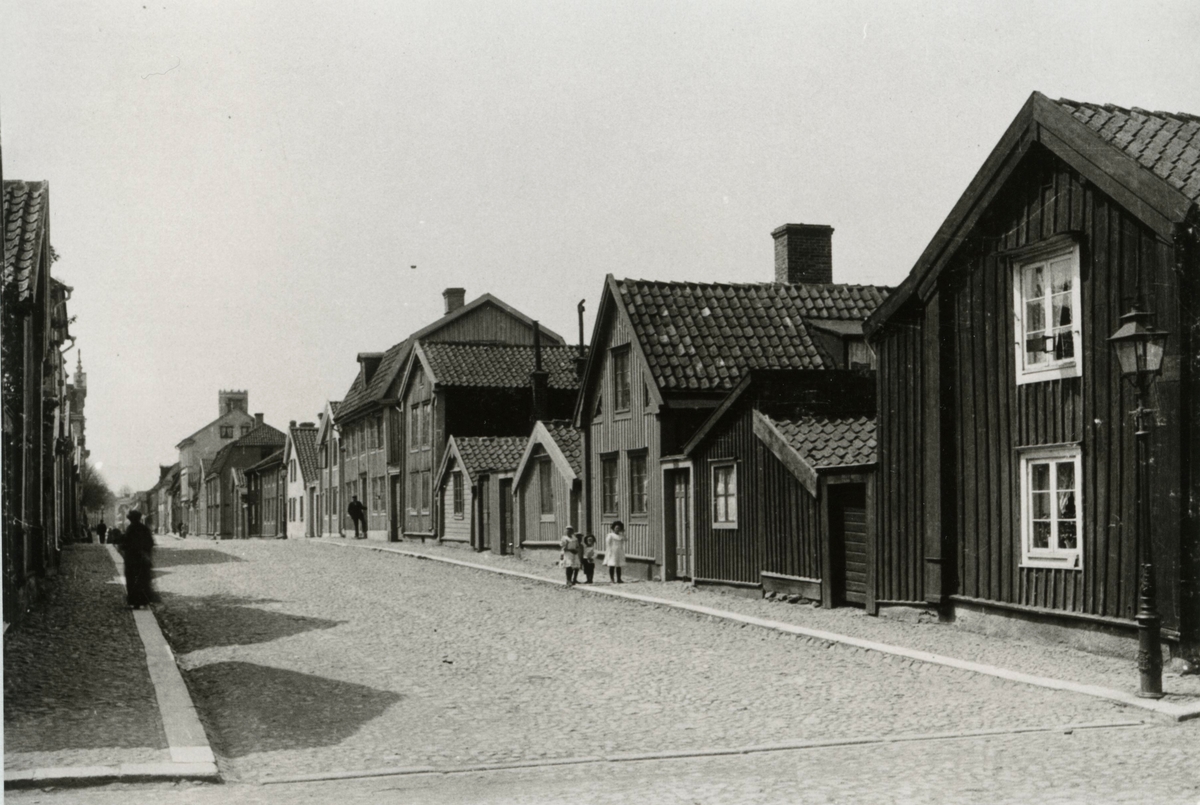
{"x": 101, "y": 530}
{"x": 359, "y": 515}
{"x": 137, "y": 546}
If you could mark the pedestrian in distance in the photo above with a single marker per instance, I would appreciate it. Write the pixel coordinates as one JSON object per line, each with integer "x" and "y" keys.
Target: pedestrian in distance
{"x": 614, "y": 552}
{"x": 359, "y": 515}
{"x": 137, "y": 547}
{"x": 588, "y": 558}
{"x": 101, "y": 530}
{"x": 569, "y": 558}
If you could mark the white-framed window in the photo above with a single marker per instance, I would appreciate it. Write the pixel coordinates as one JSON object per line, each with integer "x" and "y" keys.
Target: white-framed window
{"x": 1052, "y": 507}
{"x": 546, "y": 489}
{"x": 637, "y": 484}
{"x": 459, "y": 502}
{"x": 1046, "y": 299}
{"x": 609, "y": 500}
{"x": 621, "y": 380}
{"x": 724, "y": 486}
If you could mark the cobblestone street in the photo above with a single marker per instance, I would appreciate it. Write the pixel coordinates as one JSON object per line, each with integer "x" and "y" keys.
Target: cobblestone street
{"x": 304, "y": 658}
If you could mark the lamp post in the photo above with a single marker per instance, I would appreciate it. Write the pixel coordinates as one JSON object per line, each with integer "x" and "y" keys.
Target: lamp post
{"x": 1139, "y": 347}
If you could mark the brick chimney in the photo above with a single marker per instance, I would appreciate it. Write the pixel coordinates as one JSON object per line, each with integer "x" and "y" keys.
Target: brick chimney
{"x": 803, "y": 253}
{"x": 258, "y": 419}
{"x": 455, "y": 297}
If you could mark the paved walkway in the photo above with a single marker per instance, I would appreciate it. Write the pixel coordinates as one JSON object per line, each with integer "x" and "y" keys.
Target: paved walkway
{"x": 91, "y": 691}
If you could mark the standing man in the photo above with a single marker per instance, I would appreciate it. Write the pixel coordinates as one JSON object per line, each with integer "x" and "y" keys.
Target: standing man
{"x": 101, "y": 530}
{"x": 359, "y": 515}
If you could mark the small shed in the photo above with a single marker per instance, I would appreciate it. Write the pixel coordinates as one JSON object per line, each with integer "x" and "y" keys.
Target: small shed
{"x": 474, "y": 486}
{"x": 784, "y": 473}
{"x": 549, "y": 487}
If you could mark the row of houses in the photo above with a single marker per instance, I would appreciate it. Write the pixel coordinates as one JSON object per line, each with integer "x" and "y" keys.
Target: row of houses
{"x": 44, "y": 443}
{"x": 962, "y": 443}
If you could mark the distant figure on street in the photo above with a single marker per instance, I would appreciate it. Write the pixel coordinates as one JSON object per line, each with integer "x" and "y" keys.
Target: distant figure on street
{"x": 588, "y": 557}
{"x": 138, "y": 549}
{"x": 614, "y": 552}
{"x": 101, "y": 531}
{"x": 570, "y": 555}
{"x": 359, "y": 515}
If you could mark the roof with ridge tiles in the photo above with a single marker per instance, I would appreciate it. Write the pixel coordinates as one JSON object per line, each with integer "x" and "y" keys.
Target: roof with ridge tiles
{"x": 705, "y": 336}
{"x": 1164, "y": 143}
{"x": 304, "y": 440}
{"x": 25, "y": 212}
{"x": 490, "y": 453}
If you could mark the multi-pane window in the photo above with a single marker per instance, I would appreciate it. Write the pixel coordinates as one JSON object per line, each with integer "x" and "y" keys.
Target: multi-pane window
{"x": 1050, "y": 507}
{"x": 426, "y": 425}
{"x": 637, "y": 484}
{"x": 227, "y": 431}
{"x": 546, "y": 486}
{"x": 620, "y": 364}
{"x": 301, "y": 499}
{"x": 458, "y": 495}
{"x": 608, "y": 485}
{"x": 379, "y": 432}
{"x": 724, "y": 484}
{"x": 292, "y": 470}
{"x": 1048, "y": 330}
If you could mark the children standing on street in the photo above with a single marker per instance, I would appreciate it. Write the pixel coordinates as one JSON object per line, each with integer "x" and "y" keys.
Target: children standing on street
{"x": 570, "y": 555}
{"x": 589, "y": 557}
{"x": 614, "y": 551}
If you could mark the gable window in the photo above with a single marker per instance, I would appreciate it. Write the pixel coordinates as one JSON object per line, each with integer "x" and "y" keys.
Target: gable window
{"x": 227, "y": 431}
{"x": 724, "y": 484}
{"x": 858, "y": 354}
{"x": 546, "y": 488}
{"x": 620, "y": 363}
{"x": 608, "y": 485}
{"x": 637, "y": 484}
{"x": 292, "y": 470}
{"x": 1046, "y": 297}
{"x": 458, "y": 496}
{"x": 1051, "y": 509}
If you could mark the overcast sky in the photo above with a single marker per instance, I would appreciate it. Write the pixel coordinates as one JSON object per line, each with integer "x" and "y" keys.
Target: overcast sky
{"x": 239, "y": 189}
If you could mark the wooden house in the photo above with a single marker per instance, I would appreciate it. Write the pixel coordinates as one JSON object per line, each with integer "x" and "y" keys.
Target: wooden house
{"x": 473, "y": 389}
{"x": 784, "y": 475}
{"x": 474, "y": 492}
{"x": 548, "y": 486}
{"x": 375, "y": 456}
{"x": 665, "y": 354}
{"x": 300, "y": 461}
{"x": 330, "y": 510}
{"x": 1006, "y": 476}
{"x": 266, "y": 488}
{"x": 197, "y": 451}
{"x": 224, "y": 482}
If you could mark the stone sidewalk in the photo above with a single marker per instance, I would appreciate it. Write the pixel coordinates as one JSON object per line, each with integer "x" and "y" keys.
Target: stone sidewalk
{"x": 80, "y": 704}
{"x": 926, "y": 635}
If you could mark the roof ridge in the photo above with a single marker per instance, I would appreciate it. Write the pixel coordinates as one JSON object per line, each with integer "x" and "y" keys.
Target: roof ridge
{"x": 797, "y": 285}
{"x": 1112, "y": 107}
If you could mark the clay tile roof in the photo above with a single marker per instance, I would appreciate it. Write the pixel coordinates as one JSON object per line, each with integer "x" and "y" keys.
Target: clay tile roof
{"x": 304, "y": 440}
{"x": 335, "y": 406}
{"x": 219, "y": 460}
{"x": 270, "y": 462}
{"x": 1165, "y": 143}
{"x": 830, "y": 441}
{"x": 706, "y": 336}
{"x": 498, "y": 365}
{"x": 362, "y": 396}
{"x": 25, "y": 213}
{"x": 262, "y": 436}
{"x": 570, "y": 441}
{"x": 490, "y": 453}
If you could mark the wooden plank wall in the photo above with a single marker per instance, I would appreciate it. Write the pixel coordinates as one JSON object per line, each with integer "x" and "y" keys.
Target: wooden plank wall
{"x": 636, "y": 430}
{"x": 488, "y": 323}
{"x": 994, "y": 416}
{"x": 457, "y": 527}
{"x": 899, "y": 553}
{"x": 778, "y": 519}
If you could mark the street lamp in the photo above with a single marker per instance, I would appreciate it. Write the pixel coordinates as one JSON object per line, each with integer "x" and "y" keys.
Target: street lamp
{"x": 1139, "y": 347}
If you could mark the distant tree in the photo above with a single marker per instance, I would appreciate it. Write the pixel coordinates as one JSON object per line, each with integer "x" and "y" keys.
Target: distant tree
{"x": 94, "y": 489}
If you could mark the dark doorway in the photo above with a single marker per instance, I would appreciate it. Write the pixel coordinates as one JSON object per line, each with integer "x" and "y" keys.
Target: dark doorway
{"x": 485, "y": 512}
{"x": 506, "y": 516}
{"x": 677, "y": 489}
{"x": 394, "y": 510}
{"x": 848, "y": 542}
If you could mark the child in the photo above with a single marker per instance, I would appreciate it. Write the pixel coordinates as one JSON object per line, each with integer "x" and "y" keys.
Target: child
{"x": 589, "y": 557}
{"x": 570, "y": 555}
{"x": 614, "y": 551}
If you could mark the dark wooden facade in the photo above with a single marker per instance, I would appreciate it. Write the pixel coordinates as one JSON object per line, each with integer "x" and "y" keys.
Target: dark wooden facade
{"x": 782, "y": 538}
{"x": 954, "y": 420}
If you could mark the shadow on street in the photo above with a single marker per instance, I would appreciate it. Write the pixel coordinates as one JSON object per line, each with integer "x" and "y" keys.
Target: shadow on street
{"x": 256, "y": 708}
{"x": 195, "y": 623}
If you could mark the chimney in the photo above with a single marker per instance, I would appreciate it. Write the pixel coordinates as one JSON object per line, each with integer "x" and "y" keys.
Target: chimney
{"x": 258, "y": 419}
{"x": 291, "y": 424}
{"x": 539, "y": 378}
{"x": 454, "y": 298}
{"x": 803, "y": 253}
{"x": 581, "y": 354}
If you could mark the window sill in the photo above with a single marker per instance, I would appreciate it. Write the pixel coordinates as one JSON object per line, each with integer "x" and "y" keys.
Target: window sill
{"x": 547, "y": 518}
{"x": 725, "y": 526}
{"x": 1061, "y": 372}
{"x": 1067, "y": 562}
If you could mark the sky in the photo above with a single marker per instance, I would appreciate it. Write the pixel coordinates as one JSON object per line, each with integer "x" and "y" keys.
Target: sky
{"x": 239, "y": 190}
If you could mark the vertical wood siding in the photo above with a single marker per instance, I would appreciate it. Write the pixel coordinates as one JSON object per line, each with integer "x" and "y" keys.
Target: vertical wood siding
{"x": 778, "y": 519}
{"x": 993, "y": 416}
{"x": 489, "y": 323}
{"x": 456, "y": 527}
{"x": 531, "y": 526}
{"x": 637, "y": 429}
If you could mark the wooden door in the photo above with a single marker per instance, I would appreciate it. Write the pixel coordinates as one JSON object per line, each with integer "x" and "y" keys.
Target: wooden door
{"x": 506, "y": 516}
{"x": 848, "y": 542}
{"x": 682, "y": 521}
{"x": 485, "y": 513}
{"x": 394, "y": 510}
